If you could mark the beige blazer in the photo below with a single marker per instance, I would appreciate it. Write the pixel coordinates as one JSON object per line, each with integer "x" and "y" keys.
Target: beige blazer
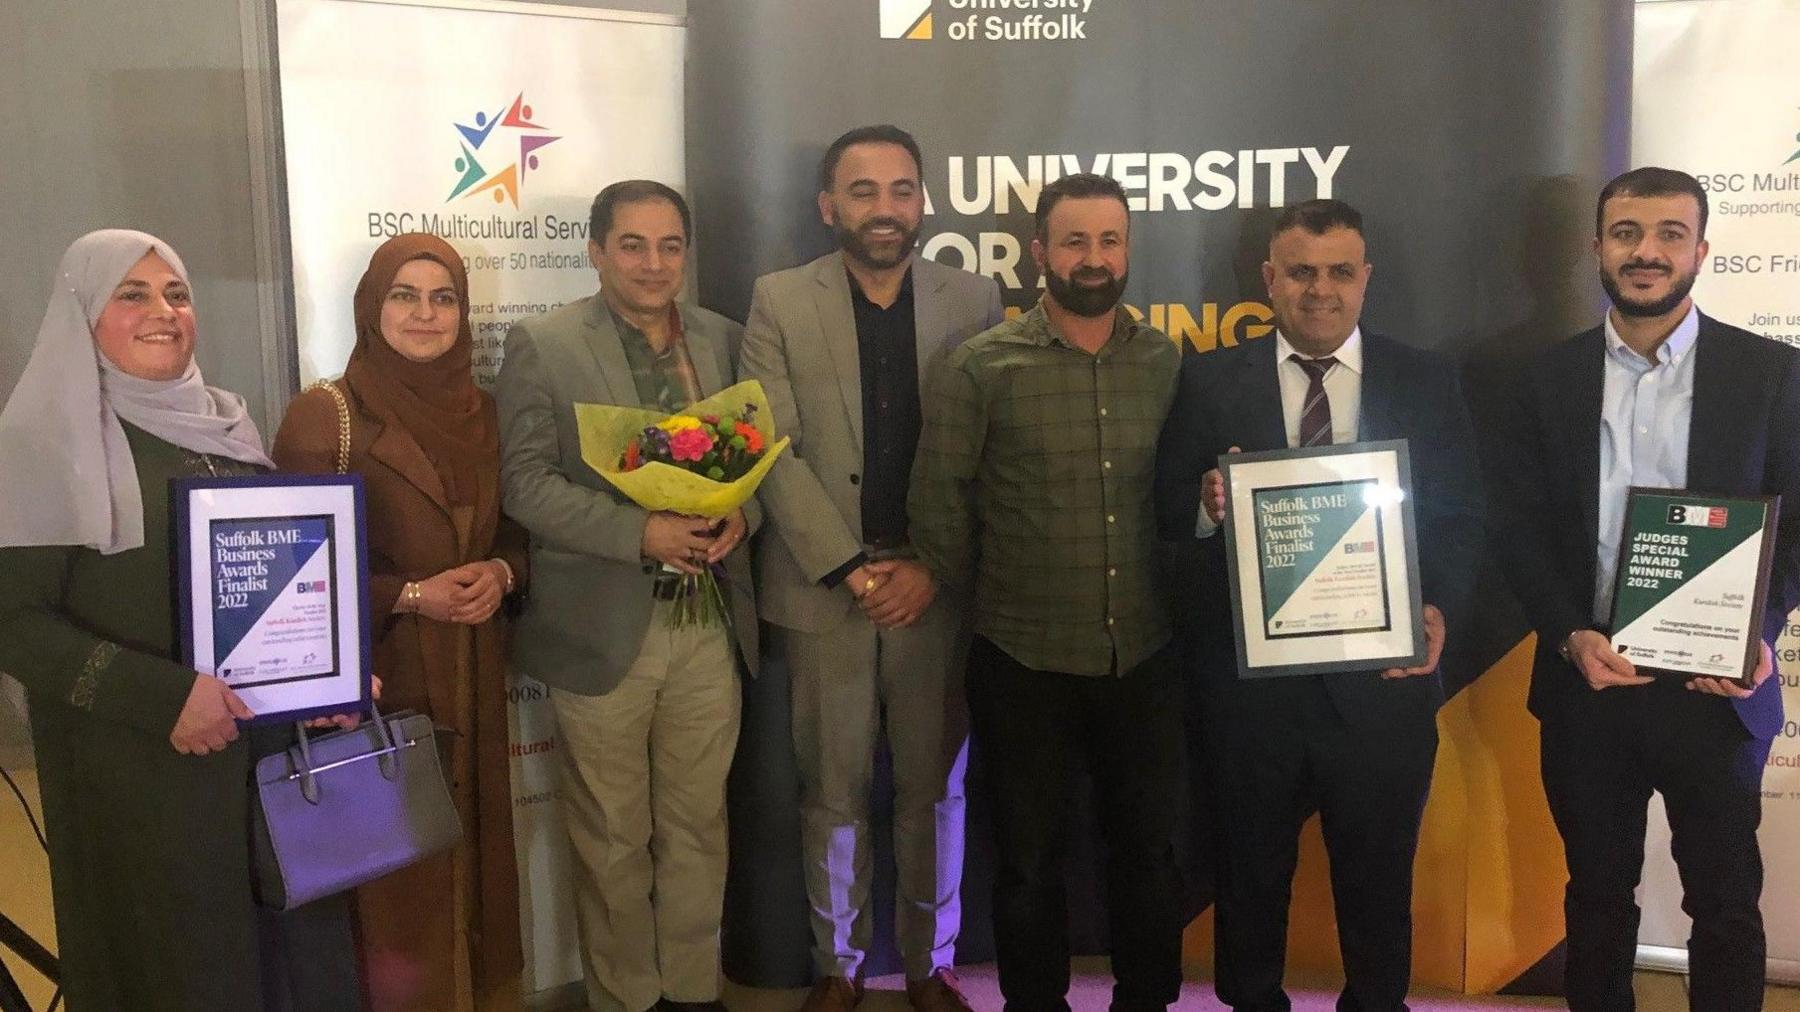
{"x": 590, "y": 597}
{"x": 801, "y": 344}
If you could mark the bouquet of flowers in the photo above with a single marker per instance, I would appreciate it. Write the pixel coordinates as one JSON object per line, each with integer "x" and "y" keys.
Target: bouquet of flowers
{"x": 705, "y": 461}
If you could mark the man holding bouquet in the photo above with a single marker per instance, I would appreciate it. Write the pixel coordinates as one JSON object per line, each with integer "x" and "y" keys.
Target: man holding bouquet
{"x": 839, "y": 345}
{"x": 646, "y": 706}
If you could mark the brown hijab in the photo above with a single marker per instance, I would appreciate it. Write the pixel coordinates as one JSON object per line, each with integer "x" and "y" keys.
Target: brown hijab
{"x": 435, "y": 402}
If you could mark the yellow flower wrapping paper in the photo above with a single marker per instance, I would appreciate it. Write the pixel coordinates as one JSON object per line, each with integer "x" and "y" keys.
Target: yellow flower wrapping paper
{"x": 606, "y": 429}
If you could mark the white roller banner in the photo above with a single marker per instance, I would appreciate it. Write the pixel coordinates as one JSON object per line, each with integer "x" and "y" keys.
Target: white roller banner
{"x": 492, "y": 125}
{"x": 1715, "y": 93}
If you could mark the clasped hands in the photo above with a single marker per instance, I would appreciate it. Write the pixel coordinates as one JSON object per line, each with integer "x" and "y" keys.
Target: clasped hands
{"x": 892, "y": 593}
{"x": 465, "y": 595}
{"x": 1604, "y": 668}
{"x": 689, "y": 543}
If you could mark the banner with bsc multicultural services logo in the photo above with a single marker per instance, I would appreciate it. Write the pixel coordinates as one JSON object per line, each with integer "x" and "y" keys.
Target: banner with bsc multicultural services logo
{"x": 1715, "y": 94}
{"x": 1474, "y": 139}
{"x": 492, "y": 127}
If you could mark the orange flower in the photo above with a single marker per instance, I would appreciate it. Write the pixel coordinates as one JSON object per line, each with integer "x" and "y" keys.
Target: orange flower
{"x": 753, "y": 440}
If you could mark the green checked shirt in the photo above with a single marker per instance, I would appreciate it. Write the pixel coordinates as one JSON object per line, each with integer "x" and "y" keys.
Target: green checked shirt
{"x": 1033, "y": 483}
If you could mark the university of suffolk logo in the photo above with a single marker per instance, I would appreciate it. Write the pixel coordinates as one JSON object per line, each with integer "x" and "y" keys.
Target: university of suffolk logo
{"x": 906, "y": 19}
{"x": 497, "y": 132}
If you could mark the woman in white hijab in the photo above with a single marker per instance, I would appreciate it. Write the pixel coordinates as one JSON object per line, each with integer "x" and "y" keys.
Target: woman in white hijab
{"x": 146, "y": 784}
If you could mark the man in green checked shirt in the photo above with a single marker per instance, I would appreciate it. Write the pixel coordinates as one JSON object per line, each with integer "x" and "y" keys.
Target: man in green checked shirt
{"x": 1033, "y": 487}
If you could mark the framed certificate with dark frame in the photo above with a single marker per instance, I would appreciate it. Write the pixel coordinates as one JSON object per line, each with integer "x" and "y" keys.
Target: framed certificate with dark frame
{"x": 1692, "y": 582}
{"x": 1323, "y": 559}
{"x": 271, "y": 578}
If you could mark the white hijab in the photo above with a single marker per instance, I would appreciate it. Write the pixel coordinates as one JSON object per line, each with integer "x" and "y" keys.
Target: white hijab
{"x": 67, "y": 476}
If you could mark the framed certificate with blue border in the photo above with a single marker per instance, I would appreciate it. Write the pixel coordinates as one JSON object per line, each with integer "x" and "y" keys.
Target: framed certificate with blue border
{"x": 272, "y": 577}
{"x": 1323, "y": 560}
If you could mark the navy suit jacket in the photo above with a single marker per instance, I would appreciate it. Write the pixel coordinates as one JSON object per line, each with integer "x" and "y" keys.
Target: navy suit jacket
{"x": 1743, "y": 439}
{"x": 1232, "y": 397}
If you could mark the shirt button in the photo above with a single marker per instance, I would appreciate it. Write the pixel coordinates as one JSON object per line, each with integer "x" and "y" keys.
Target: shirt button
{"x": 1641, "y": 429}
{"x": 1102, "y": 412}
{"x": 1106, "y": 464}
{"x": 1112, "y": 571}
{"x": 1109, "y": 518}
{"x": 1109, "y": 620}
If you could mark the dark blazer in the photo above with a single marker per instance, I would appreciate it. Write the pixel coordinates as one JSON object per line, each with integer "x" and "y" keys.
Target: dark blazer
{"x": 1232, "y": 397}
{"x": 1743, "y": 439}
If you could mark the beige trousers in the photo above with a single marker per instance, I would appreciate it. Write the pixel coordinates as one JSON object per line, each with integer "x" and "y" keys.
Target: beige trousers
{"x": 644, "y": 798}
{"x": 851, "y": 684}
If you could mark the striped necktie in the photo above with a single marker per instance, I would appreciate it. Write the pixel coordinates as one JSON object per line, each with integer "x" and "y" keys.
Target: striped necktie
{"x": 1315, "y": 417}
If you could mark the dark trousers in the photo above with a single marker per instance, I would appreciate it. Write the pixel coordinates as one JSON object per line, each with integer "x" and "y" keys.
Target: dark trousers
{"x": 1033, "y": 731}
{"x": 1602, "y": 756}
{"x": 1278, "y": 750}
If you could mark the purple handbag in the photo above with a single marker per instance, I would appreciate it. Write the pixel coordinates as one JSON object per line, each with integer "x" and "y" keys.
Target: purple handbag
{"x": 344, "y": 808}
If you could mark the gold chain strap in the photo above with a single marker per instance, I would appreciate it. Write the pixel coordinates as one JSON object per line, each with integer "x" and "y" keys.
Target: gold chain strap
{"x": 343, "y": 416}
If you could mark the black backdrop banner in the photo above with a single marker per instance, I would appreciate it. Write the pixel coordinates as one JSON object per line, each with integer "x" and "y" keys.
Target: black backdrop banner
{"x": 1473, "y": 137}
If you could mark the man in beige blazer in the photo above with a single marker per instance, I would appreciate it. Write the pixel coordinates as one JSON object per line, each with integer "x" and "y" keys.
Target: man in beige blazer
{"x": 647, "y": 713}
{"x": 840, "y": 345}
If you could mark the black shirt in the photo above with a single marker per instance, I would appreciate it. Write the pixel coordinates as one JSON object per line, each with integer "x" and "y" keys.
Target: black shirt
{"x": 888, "y": 347}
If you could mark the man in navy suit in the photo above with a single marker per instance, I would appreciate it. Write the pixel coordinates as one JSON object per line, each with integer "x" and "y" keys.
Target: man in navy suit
{"x": 1357, "y": 747}
{"x": 1659, "y": 395}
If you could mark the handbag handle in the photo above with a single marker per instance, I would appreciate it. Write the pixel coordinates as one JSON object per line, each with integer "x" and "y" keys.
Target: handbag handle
{"x": 387, "y": 756}
{"x": 343, "y": 420}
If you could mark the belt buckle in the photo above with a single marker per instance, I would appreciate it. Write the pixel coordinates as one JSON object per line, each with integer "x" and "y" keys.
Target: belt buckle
{"x": 666, "y": 586}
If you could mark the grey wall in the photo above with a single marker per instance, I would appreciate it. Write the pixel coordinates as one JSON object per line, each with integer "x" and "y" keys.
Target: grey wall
{"x": 127, "y": 114}
{"x": 122, "y": 114}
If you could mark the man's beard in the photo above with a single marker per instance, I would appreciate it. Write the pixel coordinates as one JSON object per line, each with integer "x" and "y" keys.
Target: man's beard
{"x": 860, "y": 250}
{"x": 1086, "y": 300}
{"x": 1678, "y": 290}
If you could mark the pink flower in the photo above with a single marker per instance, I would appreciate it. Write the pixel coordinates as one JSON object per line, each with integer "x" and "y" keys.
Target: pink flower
{"x": 690, "y": 444}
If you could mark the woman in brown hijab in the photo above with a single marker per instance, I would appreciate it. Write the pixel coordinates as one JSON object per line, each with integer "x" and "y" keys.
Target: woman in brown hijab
{"x": 442, "y": 935}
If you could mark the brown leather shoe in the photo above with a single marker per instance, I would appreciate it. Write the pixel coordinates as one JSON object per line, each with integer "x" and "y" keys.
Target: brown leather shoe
{"x": 833, "y": 994}
{"x": 937, "y": 993}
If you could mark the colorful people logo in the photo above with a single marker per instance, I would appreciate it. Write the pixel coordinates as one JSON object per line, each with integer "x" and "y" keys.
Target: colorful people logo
{"x": 503, "y": 183}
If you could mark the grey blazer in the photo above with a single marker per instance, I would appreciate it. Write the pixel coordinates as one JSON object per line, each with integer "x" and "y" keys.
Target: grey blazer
{"x": 801, "y": 343}
{"x": 590, "y": 601}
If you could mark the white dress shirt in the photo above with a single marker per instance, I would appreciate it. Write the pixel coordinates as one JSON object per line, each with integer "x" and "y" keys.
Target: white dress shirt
{"x": 1644, "y": 414}
{"x": 1343, "y": 391}
{"x": 1343, "y": 387}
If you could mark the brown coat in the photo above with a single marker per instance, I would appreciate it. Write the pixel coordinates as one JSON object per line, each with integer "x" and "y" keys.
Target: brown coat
{"x": 407, "y": 920}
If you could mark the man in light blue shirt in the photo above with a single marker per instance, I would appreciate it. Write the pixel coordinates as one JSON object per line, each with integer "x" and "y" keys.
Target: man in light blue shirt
{"x": 1660, "y": 396}
{"x": 1644, "y": 413}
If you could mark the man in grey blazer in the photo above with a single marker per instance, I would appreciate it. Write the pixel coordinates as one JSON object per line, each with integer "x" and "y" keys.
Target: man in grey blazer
{"x": 647, "y": 713}
{"x": 840, "y": 345}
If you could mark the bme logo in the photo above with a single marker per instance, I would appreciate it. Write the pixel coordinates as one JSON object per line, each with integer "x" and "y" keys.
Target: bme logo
{"x": 906, "y": 19}
{"x": 1694, "y": 515}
